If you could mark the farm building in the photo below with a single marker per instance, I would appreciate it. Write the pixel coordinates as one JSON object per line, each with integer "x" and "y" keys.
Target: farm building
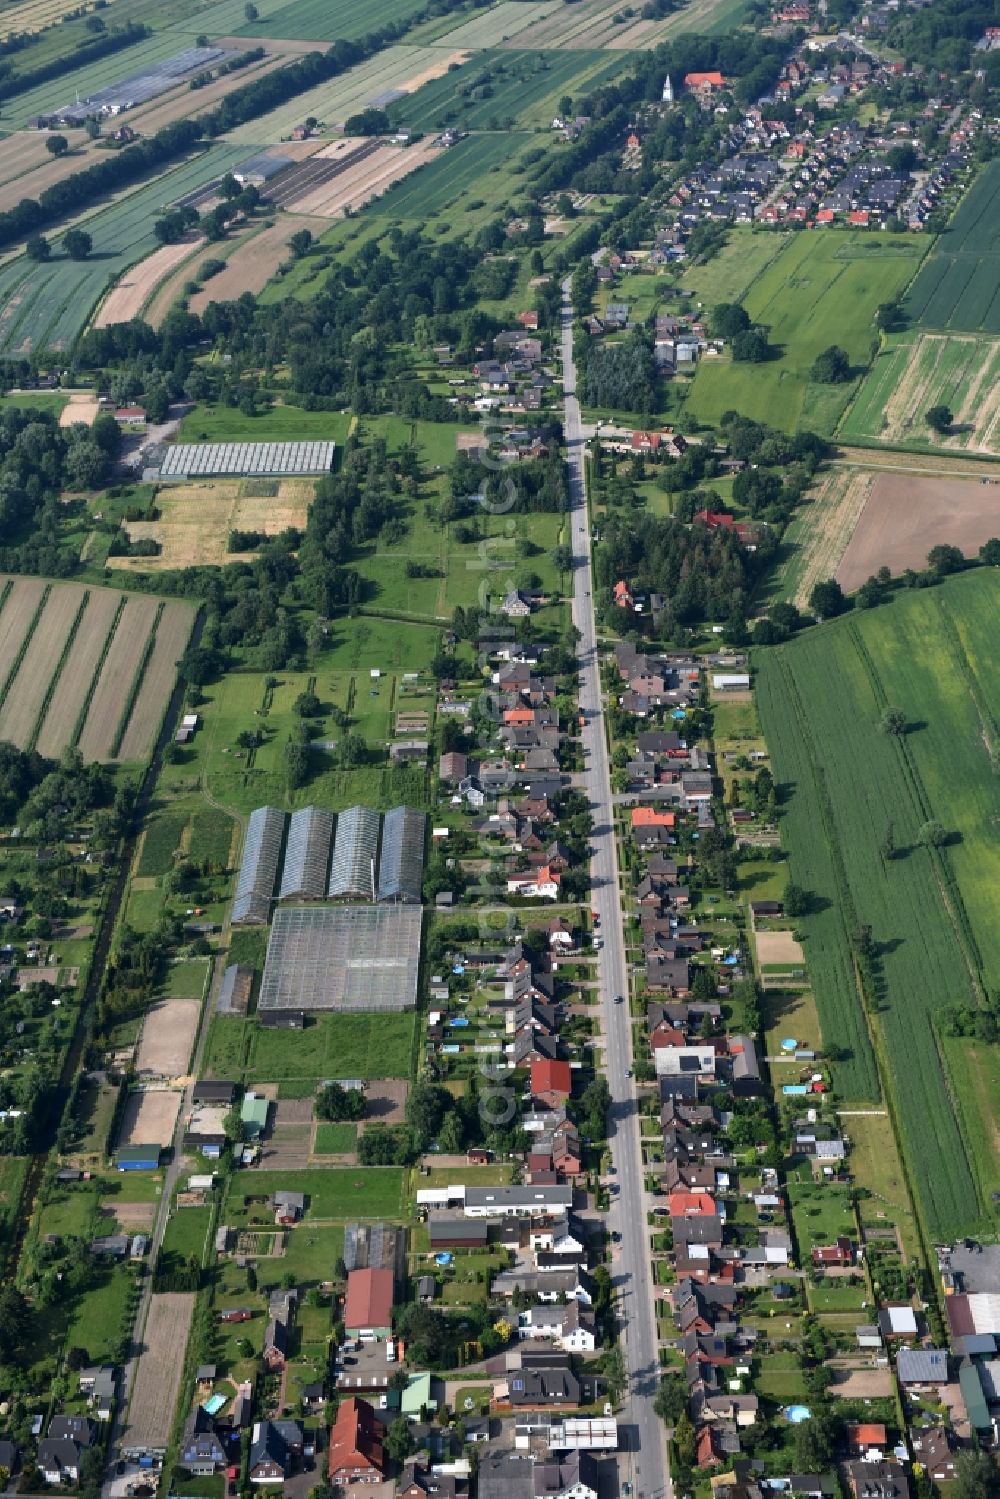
{"x": 352, "y": 872}
{"x": 258, "y": 460}
{"x": 342, "y": 958}
{"x": 137, "y": 1157}
{"x": 310, "y": 835}
{"x": 368, "y": 1309}
{"x": 401, "y": 865}
{"x": 259, "y": 866}
{"x": 234, "y": 991}
{"x": 253, "y": 1116}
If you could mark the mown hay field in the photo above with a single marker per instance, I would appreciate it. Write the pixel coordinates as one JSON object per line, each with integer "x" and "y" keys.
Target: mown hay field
{"x": 920, "y": 370}
{"x": 847, "y": 787}
{"x": 959, "y": 283}
{"x": 196, "y": 519}
{"x": 821, "y": 290}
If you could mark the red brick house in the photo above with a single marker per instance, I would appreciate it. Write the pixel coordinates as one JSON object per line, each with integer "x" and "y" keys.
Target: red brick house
{"x": 356, "y": 1453}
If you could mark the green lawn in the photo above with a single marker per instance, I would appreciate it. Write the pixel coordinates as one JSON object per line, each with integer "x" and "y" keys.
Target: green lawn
{"x": 363, "y": 1045}
{"x": 335, "y": 1139}
{"x": 342, "y": 1192}
{"x": 820, "y": 290}
{"x": 186, "y": 1232}
{"x": 208, "y": 423}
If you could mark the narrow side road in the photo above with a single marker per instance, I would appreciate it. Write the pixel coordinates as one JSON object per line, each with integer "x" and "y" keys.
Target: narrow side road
{"x": 631, "y": 1270}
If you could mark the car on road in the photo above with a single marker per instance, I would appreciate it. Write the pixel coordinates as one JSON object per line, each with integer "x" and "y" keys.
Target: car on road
{"x": 616, "y": 1237}
{"x": 628, "y": 1072}
{"x": 619, "y": 999}
{"x": 598, "y": 942}
{"x": 612, "y": 1170}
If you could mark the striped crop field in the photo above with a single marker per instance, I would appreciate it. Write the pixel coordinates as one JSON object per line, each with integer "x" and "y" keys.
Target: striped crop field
{"x": 441, "y": 181}
{"x": 125, "y": 654}
{"x": 958, "y": 287}
{"x": 851, "y": 818}
{"x": 72, "y": 656}
{"x": 46, "y": 304}
{"x": 173, "y": 631}
{"x": 497, "y": 90}
{"x": 920, "y": 370}
{"x": 26, "y": 691}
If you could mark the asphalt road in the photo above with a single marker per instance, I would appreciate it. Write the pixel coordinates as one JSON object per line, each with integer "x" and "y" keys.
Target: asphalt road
{"x": 631, "y": 1269}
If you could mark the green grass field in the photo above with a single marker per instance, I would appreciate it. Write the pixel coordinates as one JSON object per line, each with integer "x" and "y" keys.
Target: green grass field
{"x": 726, "y": 276}
{"x": 162, "y": 837}
{"x": 342, "y": 1192}
{"x": 311, "y": 20}
{"x": 918, "y": 370}
{"x": 46, "y": 304}
{"x": 440, "y": 184}
{"x": 821, "y": 289}
{"x": 335, "y": 1139}
{"x": 332, "y": 1046}
{"x": 957, "y": 284}
{"x": 930, "y": 913}
{"x": 496, "y": 90}
{"x": 274, "y": 424}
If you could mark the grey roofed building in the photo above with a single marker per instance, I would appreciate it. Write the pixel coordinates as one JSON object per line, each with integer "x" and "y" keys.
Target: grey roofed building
{"x": 496, "y": 1202}
{"x": 543, "y": 1386}
{"x": 60, "y": 1456}
{"x": 344, "y": 958}
{"x": 576, "y": 1474}
{"x": 8, "y": 1456}
{"x": 208, "y": 1090}
{"x": 505, "y": 1475}
{"x": 235, "y": 989}
{"x": 877, "y": 1480}
{"x": 191, "y": 460}
{"x": 201, "y": 1451}
{"x": 307, "y": 857}
{"x": 746, "y": 1069}
{"x": 79, "y": 1429}
{"x": 259, "y": 866}
{"x": 449, "y": 1228}
{"x": 922, "y": 1366}
{"x": 355, "y": 847}
{"x": 116, "y": 1246}
{"x": 401, "y": 865}
{"x": 426, "y": 1288}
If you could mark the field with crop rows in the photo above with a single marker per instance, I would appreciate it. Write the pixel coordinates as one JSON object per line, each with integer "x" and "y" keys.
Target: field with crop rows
{"x": 501, "y": 23}
{"x": 55, "y": 639}
{"x": 820, "y": 290}
{"x": 920, "y": 370}
{"x": 333, "y": 102}
{"x": 594, "y": 23}
{"x": 959, "y": 283}
{"x": 45, "y": 305}
{"x": 440, "y": 182}
{"x": 494, "y": 87}
{"x": 930, "y": 912}
{"x": 320, "y": 20}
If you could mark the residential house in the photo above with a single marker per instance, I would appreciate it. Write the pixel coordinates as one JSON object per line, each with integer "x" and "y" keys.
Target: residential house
{"x": 877, "y": 1480}
{"x": 273, "y": 1447}
{"x": 201, "y": 1452}
{"x": 574, "y": 1477}
{"x": 932, "y": 1450}
{"x": 356, "y": 1452}
{"x": 570, "y": 1327}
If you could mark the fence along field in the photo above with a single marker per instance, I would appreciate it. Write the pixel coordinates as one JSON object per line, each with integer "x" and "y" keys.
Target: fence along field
{"x": 959, "y": 284}
{"x": 930, "y": 913}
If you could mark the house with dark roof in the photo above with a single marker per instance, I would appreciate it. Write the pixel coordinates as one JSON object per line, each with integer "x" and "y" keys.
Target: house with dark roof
{"x": 201, "y": 1452}
{"x": 271, "y": 1451}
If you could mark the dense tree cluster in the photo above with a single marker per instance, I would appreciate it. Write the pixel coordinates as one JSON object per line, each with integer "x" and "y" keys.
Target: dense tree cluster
{"x": 39, "y": 459}
{"x": 620, "y": 375}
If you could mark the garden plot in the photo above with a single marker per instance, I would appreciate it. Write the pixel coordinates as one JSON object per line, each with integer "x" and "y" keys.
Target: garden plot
{"x": 159, "y": 1370}
{"x": 196, "y": 519}
{"x": 905, "y": 516}
{"x": 168, "y": 1034}
{"x": 150, "y": 1117}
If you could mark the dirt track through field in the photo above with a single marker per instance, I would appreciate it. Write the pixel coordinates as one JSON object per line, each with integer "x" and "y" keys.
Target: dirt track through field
{"x": 905, "y": 516}
{"x": 26, "y": 695}
{"x": 117, "y": 674}
{"x": 134, "y": 287}
{"x": 71, "y": 690}
{"x": 832, "y": 518}
{"x": 172, "y": 636}
{"x": 159, "y": 1370}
